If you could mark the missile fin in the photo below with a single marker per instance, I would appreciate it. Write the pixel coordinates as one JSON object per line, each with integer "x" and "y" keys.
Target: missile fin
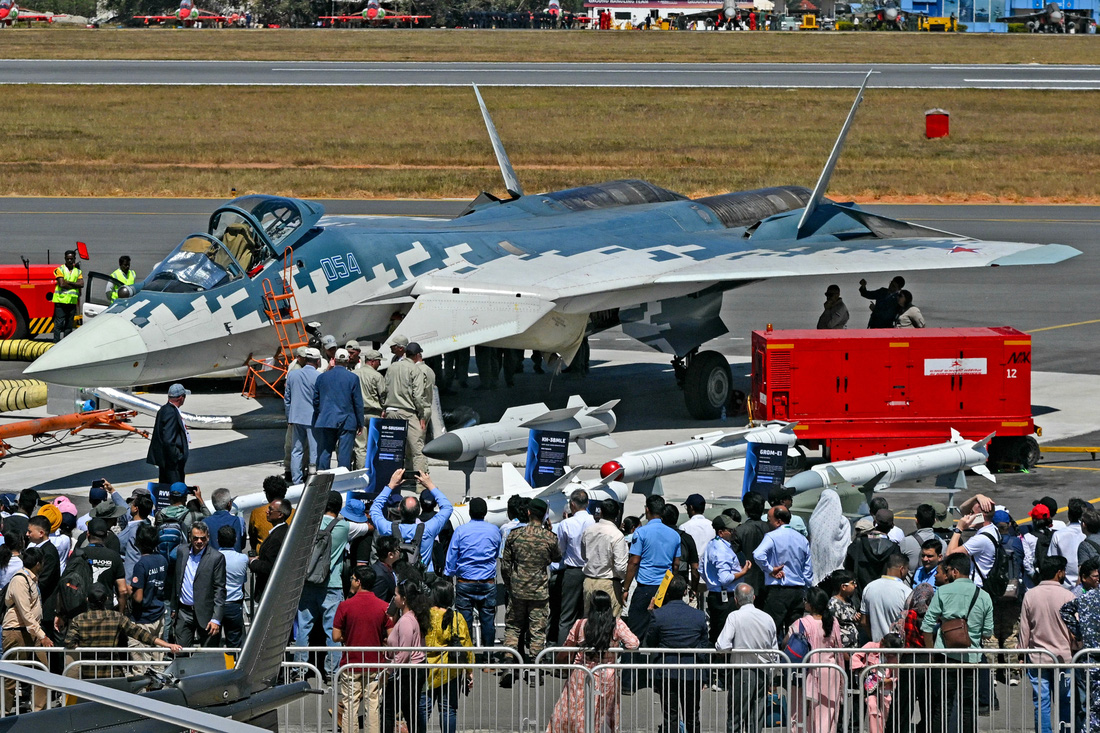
{"x": 605, "y": 407}
{"x": 869, "y": 487}
{"x": 551, "y": 416}
{"x": 734, "y": 464}
{"x": 577, "y": 446}
{"x": 835, "y": 479}
{"x": 649, "y": 487}
{"x": 982, "y": 446}
{"x": 513, "y": 481}
{"x": 524, "y": 412}
{"x": 983, "y": 470}
{"x": 575, "y": 400}
{"x": 605, "y": 440}
{"x": 788, "y": 428}
{"x": 559, "y": 484}
{"x": 954, "y": 480}
{"x": 955, "y": 436}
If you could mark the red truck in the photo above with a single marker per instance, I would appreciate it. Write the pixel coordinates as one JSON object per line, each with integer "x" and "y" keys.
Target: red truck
{"x": 26, "y": 298}
{"x": 860, "y": 392}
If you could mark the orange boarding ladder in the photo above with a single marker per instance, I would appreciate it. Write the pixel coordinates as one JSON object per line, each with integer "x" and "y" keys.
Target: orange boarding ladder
{"x": 282, "y": 309}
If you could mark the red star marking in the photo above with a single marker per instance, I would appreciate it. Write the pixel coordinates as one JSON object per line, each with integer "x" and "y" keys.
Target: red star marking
{"x": 957, "y": 249}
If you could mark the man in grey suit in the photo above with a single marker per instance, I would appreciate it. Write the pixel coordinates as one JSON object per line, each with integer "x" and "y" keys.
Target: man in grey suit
{"x": 298, "y": 400}
{"x": 199, "y": 601}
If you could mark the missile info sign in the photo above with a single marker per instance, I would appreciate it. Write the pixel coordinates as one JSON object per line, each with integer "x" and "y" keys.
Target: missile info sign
{"x": 547, "y": 451}
{"x": 765, "y": 467}
{"x": 385, "y": 450}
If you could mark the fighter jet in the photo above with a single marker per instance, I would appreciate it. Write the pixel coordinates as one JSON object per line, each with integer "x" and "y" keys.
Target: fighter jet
{"x": 198, "y": 692}
{"x": 886, "y": 16}
{"x": 523, "y": 272}
{"x": 713, "y": 19}
{"x": 11, "y": 13}
{"x": 1052, "y": 19}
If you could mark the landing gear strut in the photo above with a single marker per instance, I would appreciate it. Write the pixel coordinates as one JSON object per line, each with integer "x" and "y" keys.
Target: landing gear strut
{"x": 706, "y": 383}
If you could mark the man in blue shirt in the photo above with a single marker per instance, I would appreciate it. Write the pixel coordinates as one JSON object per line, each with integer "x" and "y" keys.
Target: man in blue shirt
{"x": 410, "y": 511}
{"x": 784, "y": 556}
{"x": 147, "y": 592}
{"x": 236, "y": 574}
{"x": 721, "y": 573}
{"x": 654, "y": 550}
{"x": 141, "y": 506}
{"x": 298, "y": 401}
{"x": 472, "y": 562}
{"x": 224, "y": 517}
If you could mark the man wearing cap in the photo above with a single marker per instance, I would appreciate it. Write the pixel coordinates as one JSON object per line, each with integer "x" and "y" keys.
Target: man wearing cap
{"x": 604, "y": 552}
{"x": 416, "y": 353}
{"x": 329, "y": 346}
{"x": 397, "y": 348}
{"x": 301, "y": 385}
{"x": 96, "y": 495}
{"x": 108, "y": 566}
{"x": 373, "y": 386}
{"x": 835, "y": 314}
{"x": 1037, "y": 540}
{"x": 926, "y": 530}
{"x": 169, "y": 445}
{"x": 295, "y": 364}
{"x": 406, "y": 388}
{"x": 784, "y": 497}
{"x": 867, "y": 555}
{"x": 527, "y": 553}
{"x": 354, "y": 350}
{"x": 109, "y": 512}
{"x": 337, "y": 413}
{"x": 721, "y": 572}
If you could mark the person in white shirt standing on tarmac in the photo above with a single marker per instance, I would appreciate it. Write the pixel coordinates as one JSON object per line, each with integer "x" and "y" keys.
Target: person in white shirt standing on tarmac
{"x": 982, "y": 547}
{"x": 603, "y": 549}
{"x": 1066, "y": 542}
{"x": 701, "y": 530}
{"x": 569, "y": 584}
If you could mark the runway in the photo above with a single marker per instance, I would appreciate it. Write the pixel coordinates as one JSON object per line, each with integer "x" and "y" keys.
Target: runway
{"x": 323, "y": 73}
{"x": 1043, "y": 300}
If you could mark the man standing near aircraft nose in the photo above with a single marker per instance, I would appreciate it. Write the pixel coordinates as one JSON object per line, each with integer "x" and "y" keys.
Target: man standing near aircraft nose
{"x": 337, "y": 413}
{"x": 406, "y": 391}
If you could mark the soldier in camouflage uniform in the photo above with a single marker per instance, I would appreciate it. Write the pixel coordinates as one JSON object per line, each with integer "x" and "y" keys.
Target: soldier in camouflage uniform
{"x": 528, "y": 552}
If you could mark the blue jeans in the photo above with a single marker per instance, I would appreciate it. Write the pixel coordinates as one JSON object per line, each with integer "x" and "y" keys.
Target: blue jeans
{"x": 446, "y": 696}
{"x": 318, "y": 604}
{"x": 303, "y": 437}
{"x": 1042, "y": 682}
{"x": 233, "y": 623}
{"x": 480, "y": 597}
{"x": 330, "y": 440}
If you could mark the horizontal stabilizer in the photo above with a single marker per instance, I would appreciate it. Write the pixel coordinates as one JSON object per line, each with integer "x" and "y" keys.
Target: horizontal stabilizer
{"x": 512, "y": 480}
{"x": 443, "y": 322}
{"x": 551, "y": 416}
{"x": 605, "y": 440}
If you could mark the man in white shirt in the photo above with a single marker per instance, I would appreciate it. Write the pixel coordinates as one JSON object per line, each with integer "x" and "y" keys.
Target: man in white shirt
{"x": 982, "y": 547}
{"x": 604, "y": 551}
{"x": 698, "y": 526}
{"x": 884, "y": 599}
{"x": 568, "y": 590}
{"x": 748, "y": 628}
{"x": 1066, "y": 542}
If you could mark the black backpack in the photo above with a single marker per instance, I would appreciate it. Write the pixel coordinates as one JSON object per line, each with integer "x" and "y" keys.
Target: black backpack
{"x": 410, "y": 551}
{"x": 72, "y": 591}
{"x": 320, "y": 559}
{"x": 999, "y": 580}
{"x": 1042, "y": 548}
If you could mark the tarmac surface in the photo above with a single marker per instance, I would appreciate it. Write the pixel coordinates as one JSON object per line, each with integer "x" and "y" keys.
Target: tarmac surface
{"x": 330, "y": 73}
{"x": 1057, "y": 304}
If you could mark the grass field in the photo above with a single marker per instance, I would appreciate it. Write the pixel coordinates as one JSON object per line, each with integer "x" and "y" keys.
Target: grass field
{"x": 505, "y": 46}
{"x": 382, "y": 142}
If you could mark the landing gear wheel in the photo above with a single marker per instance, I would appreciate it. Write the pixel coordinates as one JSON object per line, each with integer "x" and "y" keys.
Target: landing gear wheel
{"x": 12, "y": 323}
{"x": 707, "y": 385}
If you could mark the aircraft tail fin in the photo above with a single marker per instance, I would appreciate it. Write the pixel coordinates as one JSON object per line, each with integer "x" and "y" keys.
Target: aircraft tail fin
{"x": 511, "y": 181}
{"x": 512, "y": 480}
{"x": 262, "y": 655}
{"x": 822, "y": 186}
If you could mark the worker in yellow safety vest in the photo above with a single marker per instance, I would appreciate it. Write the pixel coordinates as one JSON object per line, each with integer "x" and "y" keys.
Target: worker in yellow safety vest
{"x": 66, "y": 295}
{"x": 123, "y": 275}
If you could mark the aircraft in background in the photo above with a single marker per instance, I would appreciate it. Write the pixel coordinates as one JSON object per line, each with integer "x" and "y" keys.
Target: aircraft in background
{"x": 714, "y": 18}
{"x": 1052, "y": 19}
{"x": 198, "y": 692}
{"x": 524, "y": 272}
{"x": 886, "y": 16}
{"x": 190, "y": 16}
{"x": 11, "y": 13}
{"x": 374, "y": 13}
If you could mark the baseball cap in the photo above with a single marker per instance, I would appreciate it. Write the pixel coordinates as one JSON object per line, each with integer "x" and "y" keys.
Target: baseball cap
{"x": 1040, "y": 511}
{"x": 178, "y": 489}
{"x": 97, "y": 527}
{"x": 942, "y": 520}
{"x": 329, "y": 341}
{"x": 354, "y": 511}
{"x": 68, "y": 521}
{"x": 723, "y": 522}
{"x": 884, "y": 516}
{"x": 1002, "y": 517}
{"x": 778, "y": 494}
{"x": 7, "y": 501}
{"x": 427, "y": 499}
{"x": 97, "y": 493}
{"x": 399, "y": 340}
{"x": 413, "y": 349}
{"x": 539, "y": 506}
{"x": 352, "y": 345}
{"x": 696, "y": 501}
{"x": 302, "y": 352}
{"x": 312, "y": 353}
{"x": 1049, "y": 502}
{"x": 140, "y": 491}
{"x": 53, "y": 514}
{"x": 342, "y": 355}
{"x": 372, "y": 355}
{"x": 177, "y": 390}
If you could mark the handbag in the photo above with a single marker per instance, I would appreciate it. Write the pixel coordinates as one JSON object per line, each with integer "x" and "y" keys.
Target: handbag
{"x": 954, "y": 632}
{"x": 797, "y": 646}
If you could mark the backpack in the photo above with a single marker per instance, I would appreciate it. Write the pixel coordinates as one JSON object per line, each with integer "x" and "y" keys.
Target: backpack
{"x": 1042, "y": 548}
{"x": 72, "y": 590}
{"x": 999, "y": 580}
{"x": 320, "y": 559}
{"x": 410, "y": 551}
{"x": 797, "y": 645}
{"x": 169, "y": 538}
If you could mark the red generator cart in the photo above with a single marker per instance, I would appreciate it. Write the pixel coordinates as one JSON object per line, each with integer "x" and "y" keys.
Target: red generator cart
{"x": 26, "y": 298}
{"x": 860, "y": 392}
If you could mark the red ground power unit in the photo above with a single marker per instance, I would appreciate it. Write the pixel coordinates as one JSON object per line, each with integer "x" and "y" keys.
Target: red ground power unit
{"x": 860, "y": 392}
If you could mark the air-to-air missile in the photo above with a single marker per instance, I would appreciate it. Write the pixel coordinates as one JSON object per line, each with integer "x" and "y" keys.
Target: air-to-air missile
{"x": 946, "y": 461}
{"x": 512, "y": 432}
{"x": 722, "y": 449}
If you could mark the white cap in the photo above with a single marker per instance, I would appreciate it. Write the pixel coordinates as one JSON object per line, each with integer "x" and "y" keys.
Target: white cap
{"x": 342, "y": 355}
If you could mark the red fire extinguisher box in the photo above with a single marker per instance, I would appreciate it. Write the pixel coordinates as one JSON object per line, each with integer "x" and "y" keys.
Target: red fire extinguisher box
{"x": 860, "y": 392}
{"x": 937, "y": 123}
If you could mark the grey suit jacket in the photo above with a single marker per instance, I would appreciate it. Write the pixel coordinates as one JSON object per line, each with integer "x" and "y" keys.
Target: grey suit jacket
{"x": 209, "y": 587}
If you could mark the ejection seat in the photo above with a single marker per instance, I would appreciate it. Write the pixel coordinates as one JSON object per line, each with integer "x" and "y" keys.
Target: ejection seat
{"x": 241, "y": 243}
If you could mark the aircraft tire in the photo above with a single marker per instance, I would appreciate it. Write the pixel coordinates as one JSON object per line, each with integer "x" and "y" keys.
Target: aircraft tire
{"x": 707, "y": 385}
{"x": 13, "y": 325}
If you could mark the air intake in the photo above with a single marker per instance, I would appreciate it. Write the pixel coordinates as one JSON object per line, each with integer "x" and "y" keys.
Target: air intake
{"x": 745, "y": 208}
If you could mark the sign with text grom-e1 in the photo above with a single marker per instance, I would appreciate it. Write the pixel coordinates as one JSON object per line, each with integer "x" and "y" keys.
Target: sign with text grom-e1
{"x": 385, "y": 450}
{"x": 765, "y": 467}
{"x": 547, "y": 451}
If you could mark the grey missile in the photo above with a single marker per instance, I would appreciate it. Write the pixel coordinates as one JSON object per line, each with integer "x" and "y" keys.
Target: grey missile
{"x": 511, "y": 433}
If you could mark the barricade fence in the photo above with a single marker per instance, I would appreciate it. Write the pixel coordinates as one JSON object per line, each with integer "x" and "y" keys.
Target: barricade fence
{"x": 694, "y": 690}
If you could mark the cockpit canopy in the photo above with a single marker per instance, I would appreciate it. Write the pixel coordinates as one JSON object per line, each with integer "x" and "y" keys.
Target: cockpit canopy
{"x": 244, "y": 235}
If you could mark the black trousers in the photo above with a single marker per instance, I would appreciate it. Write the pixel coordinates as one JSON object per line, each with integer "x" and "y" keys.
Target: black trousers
{"x": 63, "y": 316}
{"x": 402, "y": 696}
{"x": 785, "y": 604}
{"x": 190, "y": 633}
{"x": 679, "y": 699}
{"x": 954, "y": 708}
{"x": 571, "y": 600}
{"x": 717, "y": 612}
{"x": 170, "y": 473}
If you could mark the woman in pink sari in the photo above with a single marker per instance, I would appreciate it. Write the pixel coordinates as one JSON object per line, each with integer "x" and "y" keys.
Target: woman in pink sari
{"x": 595, "y": 635}
{"x": 822, "y": 689}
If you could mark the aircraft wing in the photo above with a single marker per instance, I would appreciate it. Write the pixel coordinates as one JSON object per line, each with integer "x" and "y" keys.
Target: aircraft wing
{"x": 1022, "y": 18}
{"x": 144, "y": 705}
{"x": 159, "y": 18}
{"x": 30, "y": 15}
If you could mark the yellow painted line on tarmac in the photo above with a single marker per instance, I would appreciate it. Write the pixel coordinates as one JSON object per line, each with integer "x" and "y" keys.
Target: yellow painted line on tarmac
{"x": 1062, "y": 509}
{"x": 1074, "y": 468}
{"x": 1064, "y": 325}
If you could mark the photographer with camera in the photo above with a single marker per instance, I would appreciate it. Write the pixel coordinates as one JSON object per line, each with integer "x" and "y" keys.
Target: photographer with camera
{"x": 407, "y": 528}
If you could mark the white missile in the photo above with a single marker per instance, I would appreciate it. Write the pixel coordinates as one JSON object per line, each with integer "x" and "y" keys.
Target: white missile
{"x": 512, "y": 432}
{"x": 944, "y": 460}
{"x": 724, "y": 450}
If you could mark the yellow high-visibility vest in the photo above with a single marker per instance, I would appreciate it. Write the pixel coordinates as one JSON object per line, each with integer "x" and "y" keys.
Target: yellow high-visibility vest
{"x": 67, "y": 296}
{"x": 124, "y": 279}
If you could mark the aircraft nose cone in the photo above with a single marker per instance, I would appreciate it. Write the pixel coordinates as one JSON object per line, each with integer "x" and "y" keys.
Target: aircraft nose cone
{"x": 107, "y": 351}
{"x": 447, "y": 447}
{"x": 372, "y": 13}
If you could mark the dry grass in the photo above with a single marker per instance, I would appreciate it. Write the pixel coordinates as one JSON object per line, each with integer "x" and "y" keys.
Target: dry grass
{"x": 383, "y": 142}
{"x": 506, "y": 46}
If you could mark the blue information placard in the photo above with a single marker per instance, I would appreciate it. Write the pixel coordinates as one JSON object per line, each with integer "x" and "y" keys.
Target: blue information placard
{"x": 385, "y": 450}
{"x": 765, "y": 467}
{"x": 547, "y": 451}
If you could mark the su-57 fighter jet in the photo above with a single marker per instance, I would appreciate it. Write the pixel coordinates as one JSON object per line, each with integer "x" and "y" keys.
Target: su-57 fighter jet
{"x": 524, "y": 272}
{"x": 1052, "y": 19}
